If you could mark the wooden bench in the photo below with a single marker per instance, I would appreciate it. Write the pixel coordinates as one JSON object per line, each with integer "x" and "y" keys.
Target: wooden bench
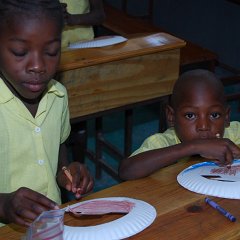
{"x": 192, "y": 55}
{"x": 149, "y": 11}
{"x": 232, "y": 81}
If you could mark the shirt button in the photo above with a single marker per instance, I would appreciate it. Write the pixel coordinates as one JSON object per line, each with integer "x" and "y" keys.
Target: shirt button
{"x": 41, "y": 162}
{"x": 37, "y": 129}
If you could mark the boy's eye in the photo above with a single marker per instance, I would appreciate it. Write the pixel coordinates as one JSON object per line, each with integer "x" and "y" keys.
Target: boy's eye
{"x": 190, "y": 116}
{"x": 215, "y": 115}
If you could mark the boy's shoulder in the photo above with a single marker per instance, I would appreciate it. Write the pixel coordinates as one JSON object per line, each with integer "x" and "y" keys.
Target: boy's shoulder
{"x": 168, "y": 137}
{"x": 170, "y": 132}
{"x": 234, "y": 125}
{"x": 233, "y": 132}
{"x": 158, "y": 140}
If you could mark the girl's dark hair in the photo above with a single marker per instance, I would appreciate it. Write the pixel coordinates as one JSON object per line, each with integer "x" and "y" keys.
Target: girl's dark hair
{"x": 15, "y": 9}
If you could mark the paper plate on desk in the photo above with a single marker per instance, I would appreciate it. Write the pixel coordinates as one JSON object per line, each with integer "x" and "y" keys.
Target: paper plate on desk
{"x": 210, "y": 179}
{"x": 98, "y": 42}
{"x": 140, "y": 217}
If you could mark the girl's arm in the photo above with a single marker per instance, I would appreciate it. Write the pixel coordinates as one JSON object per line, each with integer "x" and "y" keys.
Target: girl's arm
{"x": 23, "y": 206}
{"x": 81, "y": 182}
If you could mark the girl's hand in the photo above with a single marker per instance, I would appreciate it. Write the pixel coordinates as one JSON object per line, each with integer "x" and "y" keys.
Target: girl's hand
{"x": 81, "y": 182}
{"x": 23, "y": 206}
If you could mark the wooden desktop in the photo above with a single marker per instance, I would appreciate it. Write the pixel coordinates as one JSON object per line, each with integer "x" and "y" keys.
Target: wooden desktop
{"x": 181, "y": 214}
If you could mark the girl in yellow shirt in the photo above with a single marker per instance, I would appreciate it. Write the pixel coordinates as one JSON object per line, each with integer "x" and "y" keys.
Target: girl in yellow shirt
{"x": 34, "y": 113}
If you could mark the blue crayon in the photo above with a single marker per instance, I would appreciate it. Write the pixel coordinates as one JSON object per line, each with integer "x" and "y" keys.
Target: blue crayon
{"x": 220, "y": 209}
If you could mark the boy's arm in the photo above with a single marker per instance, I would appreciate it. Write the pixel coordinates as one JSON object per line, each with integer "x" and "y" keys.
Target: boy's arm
{"x": 95, "y": 16}
{"x": 223, "y": 151}
{"x": 145, "y": 163}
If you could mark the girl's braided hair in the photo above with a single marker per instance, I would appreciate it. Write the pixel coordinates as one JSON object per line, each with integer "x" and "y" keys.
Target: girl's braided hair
{"x": 16, "y": 9}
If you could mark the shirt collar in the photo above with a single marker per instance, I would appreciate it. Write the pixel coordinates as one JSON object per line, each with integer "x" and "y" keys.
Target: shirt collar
{"x": 53, "y": 89}
{"x": 5, "y": 93}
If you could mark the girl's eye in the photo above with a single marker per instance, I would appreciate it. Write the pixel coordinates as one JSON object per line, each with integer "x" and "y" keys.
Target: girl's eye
{"x": 53, "y": 53}
{"x": 19, "y": 53}
{"x": 215, "y": 115}
{"x": 190, "y": 116}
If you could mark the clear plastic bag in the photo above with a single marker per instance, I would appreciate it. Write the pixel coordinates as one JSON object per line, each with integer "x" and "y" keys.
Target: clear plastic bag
{"x": 49, "y": 225}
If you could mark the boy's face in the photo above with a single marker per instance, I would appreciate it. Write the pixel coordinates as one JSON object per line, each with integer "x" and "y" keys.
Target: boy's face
{"x": 199, "y": 115}
{"x": 29, "y": 55}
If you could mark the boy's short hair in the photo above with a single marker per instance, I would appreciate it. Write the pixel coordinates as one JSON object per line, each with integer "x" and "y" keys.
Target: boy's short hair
{"x": 197, "y": 76}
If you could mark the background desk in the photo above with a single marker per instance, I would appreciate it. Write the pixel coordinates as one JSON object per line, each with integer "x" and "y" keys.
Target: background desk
{"x": 100, "y": 79}
{"x": 117, "y": 77}
{"x": 181, "y": 214}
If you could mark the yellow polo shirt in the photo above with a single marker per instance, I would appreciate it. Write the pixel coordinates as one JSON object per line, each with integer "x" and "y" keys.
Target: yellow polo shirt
{"x": 169, "y": 138}
{"x": 78, "y": 33}
{"x": 29, "y": 146}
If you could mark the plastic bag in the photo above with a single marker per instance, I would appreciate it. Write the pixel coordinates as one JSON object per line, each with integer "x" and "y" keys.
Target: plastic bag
{"x": 48, "y": 226}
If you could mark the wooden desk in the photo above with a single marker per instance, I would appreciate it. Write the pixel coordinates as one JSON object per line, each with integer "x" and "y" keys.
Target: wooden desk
{"x": 99, "y": 79}
{"x": 177, "y": 215}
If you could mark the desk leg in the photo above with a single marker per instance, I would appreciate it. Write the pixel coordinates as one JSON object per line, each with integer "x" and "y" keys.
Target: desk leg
{"x": 98, "y": 138}
{"x": 102, "y": 143}
{"x": 128, "y": 132}
{"x": 162, "y": 114}
{"x": 79, "y": 139}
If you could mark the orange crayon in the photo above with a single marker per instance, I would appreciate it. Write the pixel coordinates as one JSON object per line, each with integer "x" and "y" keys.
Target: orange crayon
{"x": 67, "y": 173}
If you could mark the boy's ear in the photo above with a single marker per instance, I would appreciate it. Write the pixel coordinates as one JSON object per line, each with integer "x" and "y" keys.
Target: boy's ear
{"x": 170, "y": 116}
{"x": 227, "y": 117}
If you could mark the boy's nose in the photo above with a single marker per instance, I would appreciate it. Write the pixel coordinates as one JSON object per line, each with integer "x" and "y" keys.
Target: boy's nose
{"x": 203, "y": 124}
{"x": 37, "y": 65}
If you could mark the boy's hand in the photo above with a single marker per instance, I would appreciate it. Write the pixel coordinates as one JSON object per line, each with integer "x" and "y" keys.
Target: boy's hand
{"x": 65, "y": 12}
{"x": 222, "y": 150}
{"x": 81, "y": 183}
{"x": 69, "y": 19}
{"x": 23, "y": 206}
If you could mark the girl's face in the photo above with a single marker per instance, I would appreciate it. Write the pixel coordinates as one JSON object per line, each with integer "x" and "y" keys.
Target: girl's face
{"x": 29, "y": 55}
{"x": 200, "y": 114}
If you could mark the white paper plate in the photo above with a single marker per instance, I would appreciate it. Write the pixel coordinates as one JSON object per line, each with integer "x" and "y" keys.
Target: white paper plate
{"x": 98, "y": 42}
{"x": 209, "y": 179}
{"x": 140, "y": 217}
